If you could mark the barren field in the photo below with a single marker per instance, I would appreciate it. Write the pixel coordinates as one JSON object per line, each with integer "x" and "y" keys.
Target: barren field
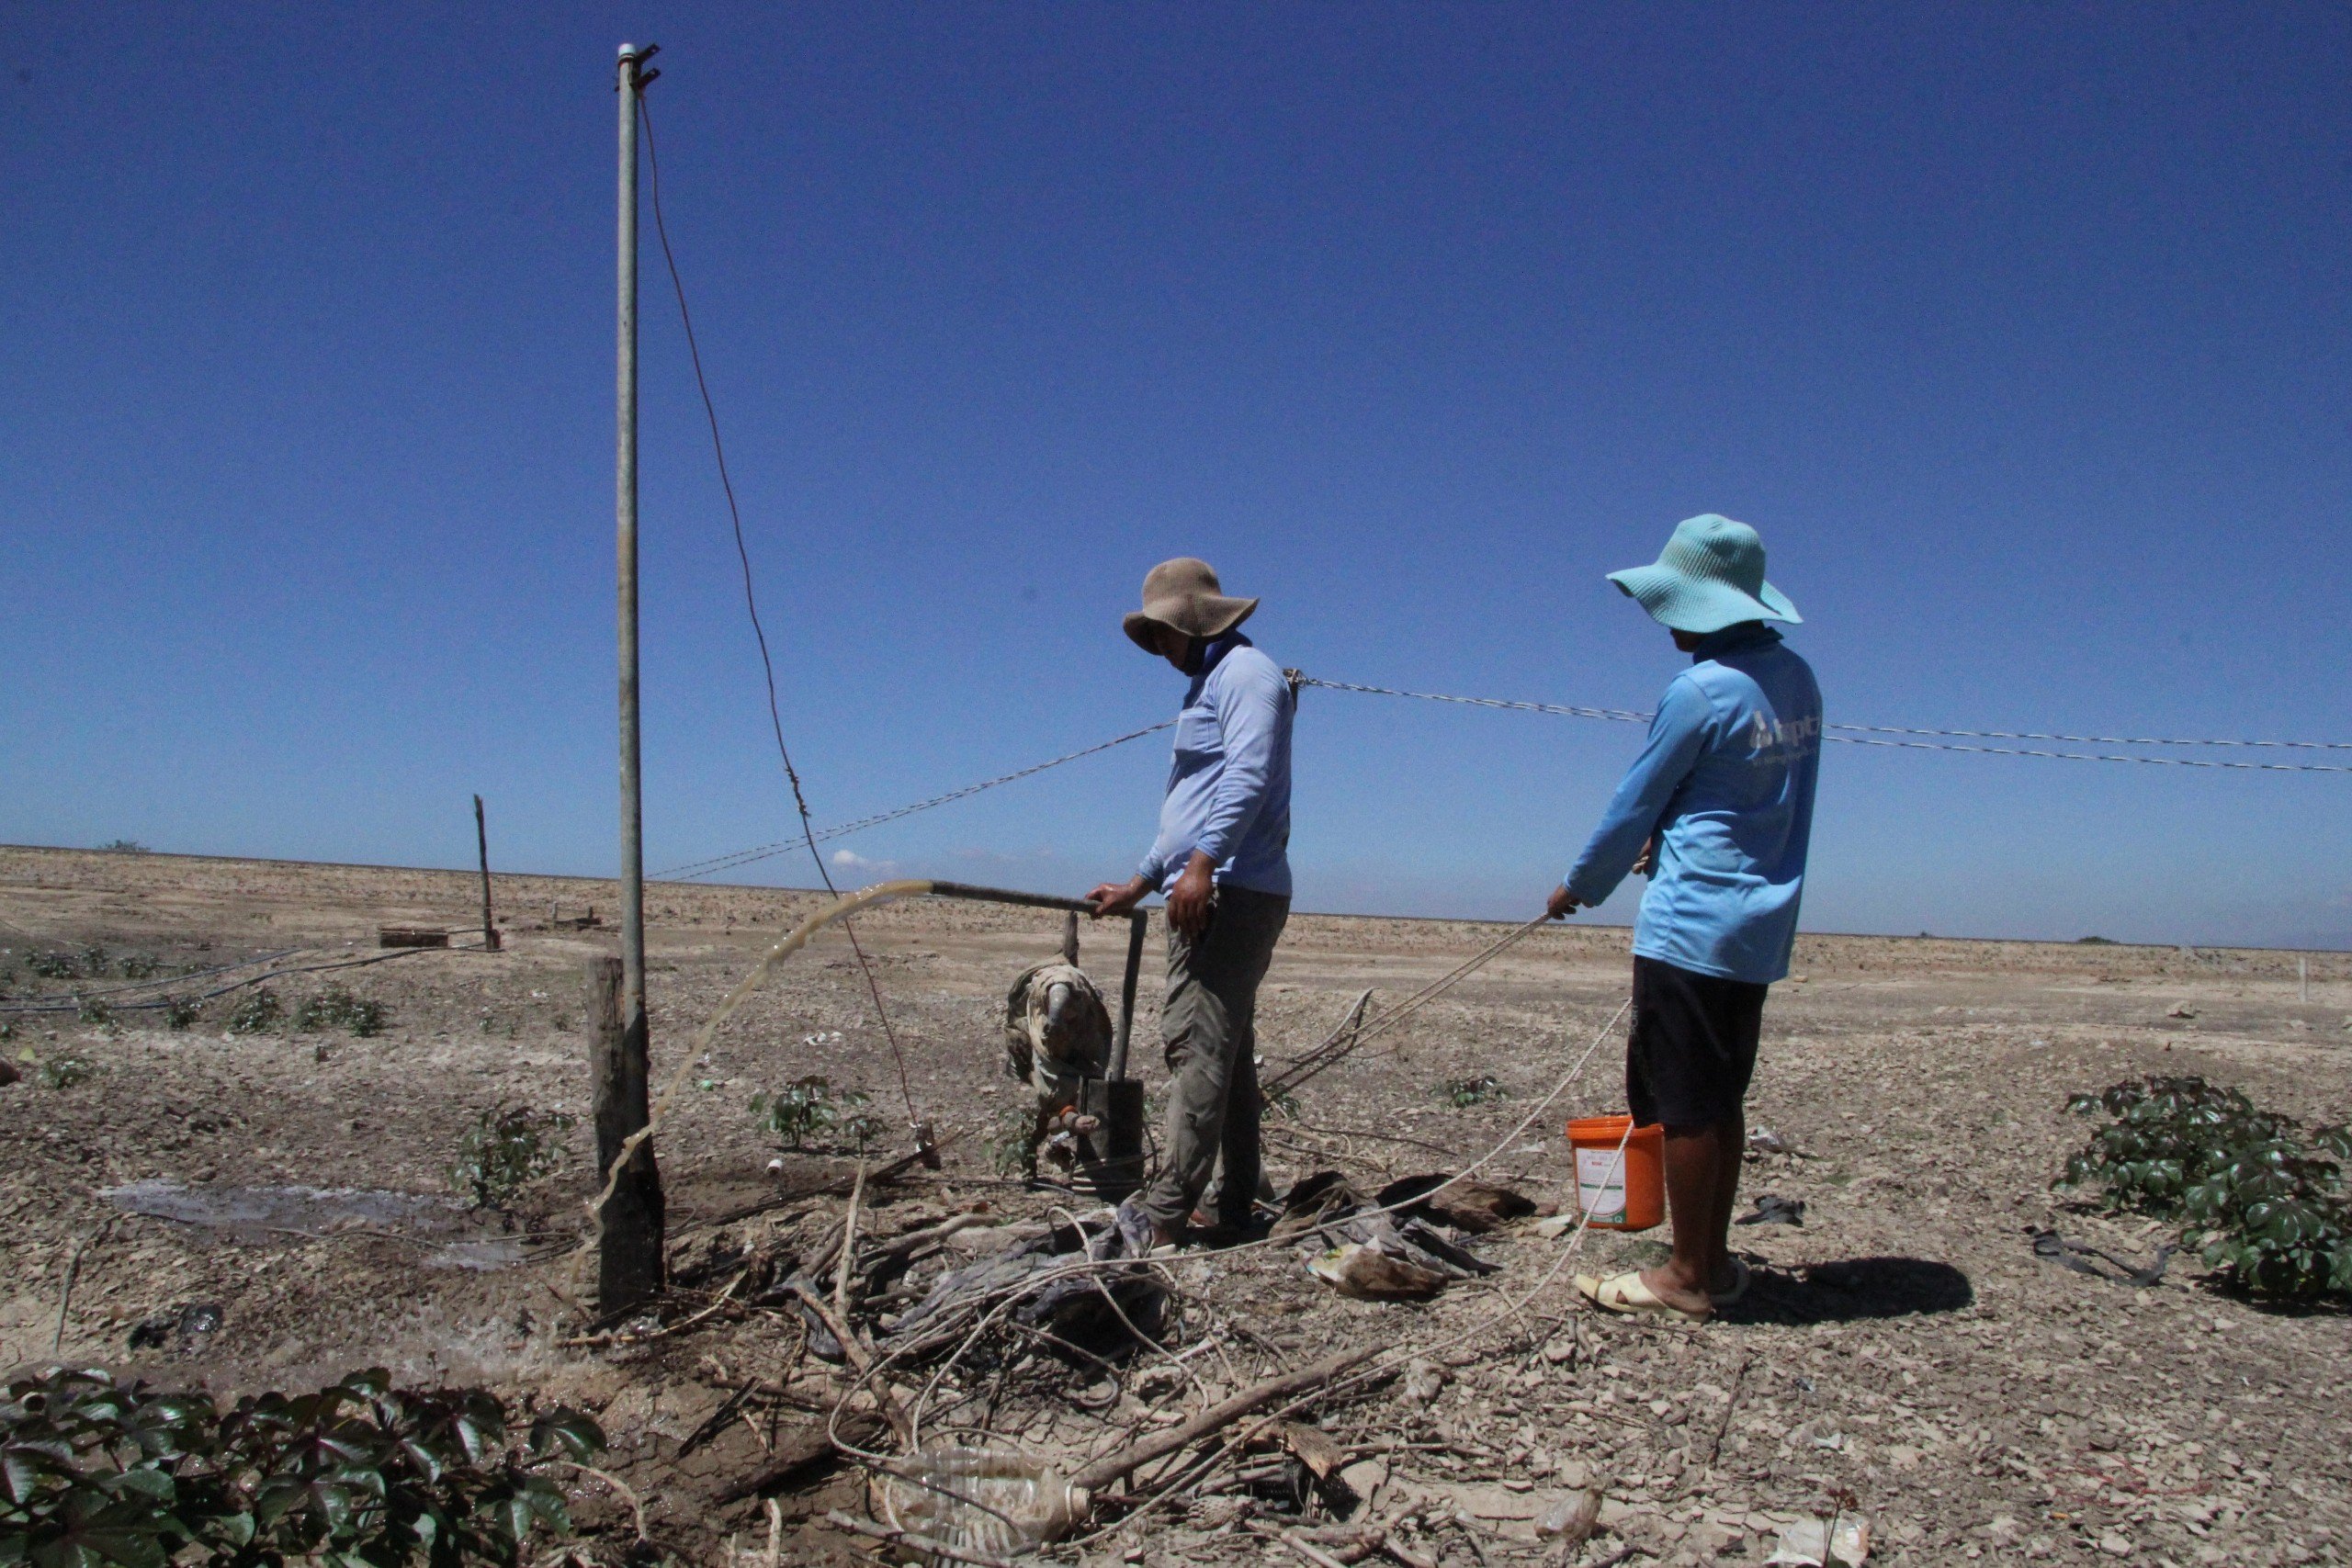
{"x": 1905, "y": 1353}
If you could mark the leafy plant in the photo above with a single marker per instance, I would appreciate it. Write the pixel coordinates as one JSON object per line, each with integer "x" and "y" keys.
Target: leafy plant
{"x": 805, "y": 1107}
{"x": 2262, "y": 1195}
{"x": 1282, "y": 1102}
{"x": 1011, "y": 1140}
{"x": 338, "y": 1008}
{"x": 66, "y": 965}
{"x": 2168, "y": 1134}
{"x": 137, "y": 967}
{"x": 505, "y": 1151}
{"x": 259, "y": 1010}
{"x": 64, "y": 1072}
{"x": 93, "y": 1009}
{"x": 1463, "y": 1093}
{"x": 359, "y": 1474}
{"x": 863, "y": 1127}
{"x": 179, "y": 1013}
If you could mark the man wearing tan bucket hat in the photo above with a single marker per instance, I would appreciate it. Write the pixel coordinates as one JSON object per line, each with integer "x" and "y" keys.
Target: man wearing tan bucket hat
{"x": 1718, "y": 811}
{"x": 1223, "y": 860}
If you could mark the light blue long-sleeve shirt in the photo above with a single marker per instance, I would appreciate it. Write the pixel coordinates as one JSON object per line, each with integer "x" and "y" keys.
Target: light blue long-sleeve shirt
{"x": 1725, "y": 784}
{"x": 1229, "y": 787}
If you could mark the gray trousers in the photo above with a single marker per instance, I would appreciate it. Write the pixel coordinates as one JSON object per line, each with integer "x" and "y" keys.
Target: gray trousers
{"x": 1209, "y": 1024}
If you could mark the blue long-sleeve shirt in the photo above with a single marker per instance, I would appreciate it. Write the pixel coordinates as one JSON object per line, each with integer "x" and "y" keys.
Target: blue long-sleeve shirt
{"x": 1725, "y": 784}
{"x": 1229, "y": 787}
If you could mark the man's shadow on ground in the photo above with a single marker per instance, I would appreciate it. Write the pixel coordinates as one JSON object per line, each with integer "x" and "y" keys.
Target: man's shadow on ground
{"x": 1851, "y": 1290}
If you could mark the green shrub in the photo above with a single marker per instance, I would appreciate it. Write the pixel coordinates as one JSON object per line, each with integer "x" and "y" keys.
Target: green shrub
{"x": 2263, "y": 1196}
{"x": 505, "y": 1151}
{"x": 1012, "y": 1140}
{"x": 1463, "y": 1093}
{"x": 179, "y": 1013}
{"x": 338, "y": 1007}
{"x": 360, "y": 1475}
{"x": 863, "y": 1127}
{"x": 259, "y": 1010}
{"x": 64, "y": 1072}
{"x": 804, "y": 1108}
{"x": 93, "y": 1009}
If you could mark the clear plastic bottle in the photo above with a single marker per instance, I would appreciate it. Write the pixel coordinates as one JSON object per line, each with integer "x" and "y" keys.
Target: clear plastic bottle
{"x": 981, "y": 1499}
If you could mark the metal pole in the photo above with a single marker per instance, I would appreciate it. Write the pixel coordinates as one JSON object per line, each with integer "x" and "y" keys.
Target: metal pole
{"x": 629, "y": 1261}
{"x": 481, "y": 843}
{"x": 633, "y": 1026}
{"x": 1136, "y": 924}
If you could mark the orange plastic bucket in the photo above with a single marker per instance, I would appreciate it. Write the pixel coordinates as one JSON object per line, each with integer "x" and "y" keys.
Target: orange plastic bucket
{"x": 1620, "y": 1194}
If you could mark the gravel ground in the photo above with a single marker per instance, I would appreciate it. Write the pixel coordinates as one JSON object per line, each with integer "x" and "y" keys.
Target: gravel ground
{"x": 1905, "y": 1354}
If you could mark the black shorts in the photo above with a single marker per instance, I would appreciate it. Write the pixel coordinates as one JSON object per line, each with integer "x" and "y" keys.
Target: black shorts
{"x": 1693, "y": 1049}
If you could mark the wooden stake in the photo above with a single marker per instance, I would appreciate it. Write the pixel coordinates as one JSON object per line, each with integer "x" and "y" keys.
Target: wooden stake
{"x": 849, "y": 1245}
{"x": 629, "y": 1263}
{"x": 482, "y": 841}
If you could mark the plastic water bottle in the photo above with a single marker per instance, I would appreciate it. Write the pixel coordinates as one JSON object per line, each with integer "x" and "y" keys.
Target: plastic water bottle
{"x": 988, "y": 1500}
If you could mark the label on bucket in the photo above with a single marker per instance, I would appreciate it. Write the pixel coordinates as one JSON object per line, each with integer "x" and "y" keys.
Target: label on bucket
{"x": 1600, "y": 1184}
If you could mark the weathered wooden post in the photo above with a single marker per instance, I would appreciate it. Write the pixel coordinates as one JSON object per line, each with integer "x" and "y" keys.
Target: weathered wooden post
{"x": 481, "y": 843}
{"x": 629, "y": 1260}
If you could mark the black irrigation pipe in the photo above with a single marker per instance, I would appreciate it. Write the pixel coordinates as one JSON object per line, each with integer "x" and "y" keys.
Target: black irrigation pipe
{"x": 192, "y": 975}
{"x": 75, "y": 1006}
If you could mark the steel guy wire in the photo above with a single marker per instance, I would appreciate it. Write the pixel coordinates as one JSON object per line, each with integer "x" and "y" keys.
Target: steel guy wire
{"x": 1627, "y": 715}
{"x": 750, "y": 604}
{"x": 712, "y": 864}
{"x": 763, "y": 851}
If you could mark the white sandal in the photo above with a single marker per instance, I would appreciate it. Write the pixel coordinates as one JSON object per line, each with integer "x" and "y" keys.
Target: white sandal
{"x": 1625, "y": 1294}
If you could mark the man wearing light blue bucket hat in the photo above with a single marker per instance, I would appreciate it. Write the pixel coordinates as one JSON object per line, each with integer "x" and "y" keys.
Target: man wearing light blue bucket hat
{"x": 1718, "y": 811}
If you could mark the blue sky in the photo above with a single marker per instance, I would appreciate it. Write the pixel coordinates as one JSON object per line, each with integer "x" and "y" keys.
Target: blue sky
{"x": 2018, "y": 330}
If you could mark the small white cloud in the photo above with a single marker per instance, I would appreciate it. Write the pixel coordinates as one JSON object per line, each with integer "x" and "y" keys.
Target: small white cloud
{"x": 850, "y": 859}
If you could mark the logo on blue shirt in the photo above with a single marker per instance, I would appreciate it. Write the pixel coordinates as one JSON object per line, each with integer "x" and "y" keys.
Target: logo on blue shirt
{"x": 1794, "y": 736}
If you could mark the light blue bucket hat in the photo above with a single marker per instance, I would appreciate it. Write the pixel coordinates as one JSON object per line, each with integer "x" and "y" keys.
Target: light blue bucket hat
{"x": 1710, "y": 576}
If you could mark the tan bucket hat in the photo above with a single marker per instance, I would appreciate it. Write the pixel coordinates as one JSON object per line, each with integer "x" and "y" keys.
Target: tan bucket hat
{"x": 1184, "y": 593}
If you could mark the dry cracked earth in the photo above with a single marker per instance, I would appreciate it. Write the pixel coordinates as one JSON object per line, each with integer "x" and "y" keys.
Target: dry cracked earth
{"x": 1905, "y": 1356}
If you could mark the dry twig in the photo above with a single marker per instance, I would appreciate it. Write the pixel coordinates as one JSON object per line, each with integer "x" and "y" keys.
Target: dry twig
{"x": 1098, "y": 1475}
{"x": 862, "y": 1359}
{"x": 74, "y": 1266}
